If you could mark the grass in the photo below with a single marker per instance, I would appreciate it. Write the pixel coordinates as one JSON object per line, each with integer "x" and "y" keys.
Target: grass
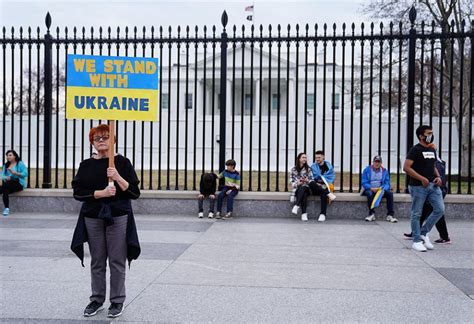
{"x": 168, "y": 180}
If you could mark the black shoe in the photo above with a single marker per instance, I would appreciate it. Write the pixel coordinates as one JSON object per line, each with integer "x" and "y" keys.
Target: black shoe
{"x": 443, "y": 241}
{"x": 115, "y": 310}
{"x": 93, "y": 308}
{"x": 408, "y": 236}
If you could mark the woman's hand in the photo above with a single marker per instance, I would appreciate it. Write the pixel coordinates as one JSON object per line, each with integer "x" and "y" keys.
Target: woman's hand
{"x": 109, "y": 191}
{"x": 12, "y": 171}
{"x": 113, "y": 174}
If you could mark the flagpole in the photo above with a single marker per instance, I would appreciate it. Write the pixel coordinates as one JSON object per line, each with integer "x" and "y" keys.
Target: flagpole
{"x": 253, "y": 12}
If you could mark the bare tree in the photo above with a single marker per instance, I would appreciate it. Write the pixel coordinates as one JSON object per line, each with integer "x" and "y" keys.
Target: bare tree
{"x": 449, "y": 94}
{"x": 30, "y": 98}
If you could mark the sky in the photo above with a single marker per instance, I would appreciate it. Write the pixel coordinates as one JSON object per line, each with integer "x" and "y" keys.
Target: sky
{"x": 173, "y": 13}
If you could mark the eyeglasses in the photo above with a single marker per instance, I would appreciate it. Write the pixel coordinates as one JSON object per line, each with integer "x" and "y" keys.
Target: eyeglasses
{"x": 104, "y": 138}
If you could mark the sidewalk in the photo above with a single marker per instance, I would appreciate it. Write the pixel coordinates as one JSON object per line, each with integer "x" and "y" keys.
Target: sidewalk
{"x": 243, "y": 270}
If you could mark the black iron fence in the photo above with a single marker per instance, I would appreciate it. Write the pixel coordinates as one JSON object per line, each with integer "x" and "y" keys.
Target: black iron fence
{"x": 258, "y": 95}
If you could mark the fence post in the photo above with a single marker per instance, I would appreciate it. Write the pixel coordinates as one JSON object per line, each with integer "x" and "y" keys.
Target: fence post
{"x": 223, "y": 97}
{"x": 48, "y": 103}
{"x": 411, "y": 83}
{"x": 411, "y": 79}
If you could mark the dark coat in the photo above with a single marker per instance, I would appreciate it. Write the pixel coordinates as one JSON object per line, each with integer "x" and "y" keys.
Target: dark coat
{"x": 107, "y": 211}
{"x": 91, "y": 176}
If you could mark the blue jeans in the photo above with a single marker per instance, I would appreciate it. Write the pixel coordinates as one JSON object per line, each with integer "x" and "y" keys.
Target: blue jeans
{"x": 387, "y": 195}
{"x": 230, "y": 199}
{"x": 419, "y": 195}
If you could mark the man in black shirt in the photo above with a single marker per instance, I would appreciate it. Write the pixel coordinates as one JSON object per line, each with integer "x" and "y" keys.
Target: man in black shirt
{"x": 424, "y": 185}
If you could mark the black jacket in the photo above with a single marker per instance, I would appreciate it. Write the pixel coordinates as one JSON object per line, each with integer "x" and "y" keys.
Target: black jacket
{"x": 441, "y": 166}
{"x": 91, "y": 176}
{"x": 208, "y": 188}
{"x": 107, "y": 211}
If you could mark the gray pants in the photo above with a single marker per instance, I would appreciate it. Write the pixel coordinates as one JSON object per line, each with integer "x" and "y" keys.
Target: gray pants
{"x": 211, "y": 204}
{"x": 108, "y": 242}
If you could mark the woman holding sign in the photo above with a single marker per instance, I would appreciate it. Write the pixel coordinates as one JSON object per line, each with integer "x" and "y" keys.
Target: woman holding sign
{"x": 106, "y": 220}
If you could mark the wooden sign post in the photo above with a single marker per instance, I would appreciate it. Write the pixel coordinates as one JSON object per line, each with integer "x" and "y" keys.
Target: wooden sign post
{"x": 111, "y": 148}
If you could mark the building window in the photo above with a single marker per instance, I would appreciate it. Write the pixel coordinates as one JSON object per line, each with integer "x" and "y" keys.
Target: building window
{"x": 310, "y": 101}
{"x": 275, "y": 102}
{"x": 247, "y": 104}
{"x": 218, "y": 103}
{"x": 335, "y": 100}
{"x": 357, "y": 102}
{"x": 165, "y": 102}
{"x": 189, "y": 101}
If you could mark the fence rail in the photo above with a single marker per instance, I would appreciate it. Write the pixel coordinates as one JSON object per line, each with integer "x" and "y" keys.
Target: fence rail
{"x": 258, "y": 95}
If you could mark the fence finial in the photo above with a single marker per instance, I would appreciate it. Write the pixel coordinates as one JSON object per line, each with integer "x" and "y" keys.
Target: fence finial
{"x": 48, "y": 21}
{"x": 224, "y": 19}
{"x": 412, "y": 15}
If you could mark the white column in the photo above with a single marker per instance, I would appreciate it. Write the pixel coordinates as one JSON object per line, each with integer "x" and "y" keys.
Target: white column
{"x": 256, "y": 103}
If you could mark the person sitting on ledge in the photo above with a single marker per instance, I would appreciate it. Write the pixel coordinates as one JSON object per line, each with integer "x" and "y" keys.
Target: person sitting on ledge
{"x": 14, "y": 174}
{"x": 323, "y": 176}
{"x": 301, "y": 176}
{"x": 376, "y": 178}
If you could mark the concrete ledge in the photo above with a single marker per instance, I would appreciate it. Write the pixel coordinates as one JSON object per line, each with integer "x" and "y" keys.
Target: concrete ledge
{"x": 271, "y": 196}
{"x": 250, "y": 204}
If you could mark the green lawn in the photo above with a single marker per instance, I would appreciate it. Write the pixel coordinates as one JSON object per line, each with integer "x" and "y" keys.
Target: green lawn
{"x": 264, "y": 176}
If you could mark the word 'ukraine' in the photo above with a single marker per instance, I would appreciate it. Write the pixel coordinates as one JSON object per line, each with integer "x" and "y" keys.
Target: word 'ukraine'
{"x": 101, "y": 102}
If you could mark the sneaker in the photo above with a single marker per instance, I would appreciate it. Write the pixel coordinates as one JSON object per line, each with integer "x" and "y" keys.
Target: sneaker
{"x": 6, "y": 211}
{"x": 443, "y": 241}
{"x": 391, "y": 219}
{"x": 115, "y": 310}
{"x": 418, "y": 246}
{"x": 227, "y": 216}
{"x": 304, "y": 217}
{"x": 322, "y": 218}
{"x": 407, "y": 236}
{"x": 210, "y": 215}
{"x": 295, "y": 209}
{"x": 201, "y": 215}
{"x": 427, "y": 242}
{"x": 218, "y": 215}
{"x": 370, "y": 218}
{"x": 331, "y": 196}
{"x": 93, "y": 308}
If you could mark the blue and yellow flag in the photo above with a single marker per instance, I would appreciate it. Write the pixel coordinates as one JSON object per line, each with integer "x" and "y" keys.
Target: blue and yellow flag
{"x": 112, "y": 88}
{"x": 377, "y": 199}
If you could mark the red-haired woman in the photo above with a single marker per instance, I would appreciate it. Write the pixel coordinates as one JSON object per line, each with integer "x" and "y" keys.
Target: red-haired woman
{"x": 106, "y": 221}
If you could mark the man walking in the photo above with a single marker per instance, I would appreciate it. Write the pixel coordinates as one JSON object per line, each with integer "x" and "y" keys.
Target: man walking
{"x": 424, "y": 186}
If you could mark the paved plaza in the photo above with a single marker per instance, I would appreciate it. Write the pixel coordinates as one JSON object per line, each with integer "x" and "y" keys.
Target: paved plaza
{"x": 244, "y": 270}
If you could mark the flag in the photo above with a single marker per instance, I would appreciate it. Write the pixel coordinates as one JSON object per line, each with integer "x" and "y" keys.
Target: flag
{"x": 249, "y": 8}
{"x": 325, "y": 182}
{"x": 377, "y": 199}
{"x": 250, "y": 17}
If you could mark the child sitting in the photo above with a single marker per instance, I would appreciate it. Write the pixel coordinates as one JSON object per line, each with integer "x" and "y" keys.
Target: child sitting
{"x": 230, "y": 189}
{"x": 207, "y": 189}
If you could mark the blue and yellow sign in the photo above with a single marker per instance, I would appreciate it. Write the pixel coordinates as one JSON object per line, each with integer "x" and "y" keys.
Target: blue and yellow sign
{"x": 112, "y": 88}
